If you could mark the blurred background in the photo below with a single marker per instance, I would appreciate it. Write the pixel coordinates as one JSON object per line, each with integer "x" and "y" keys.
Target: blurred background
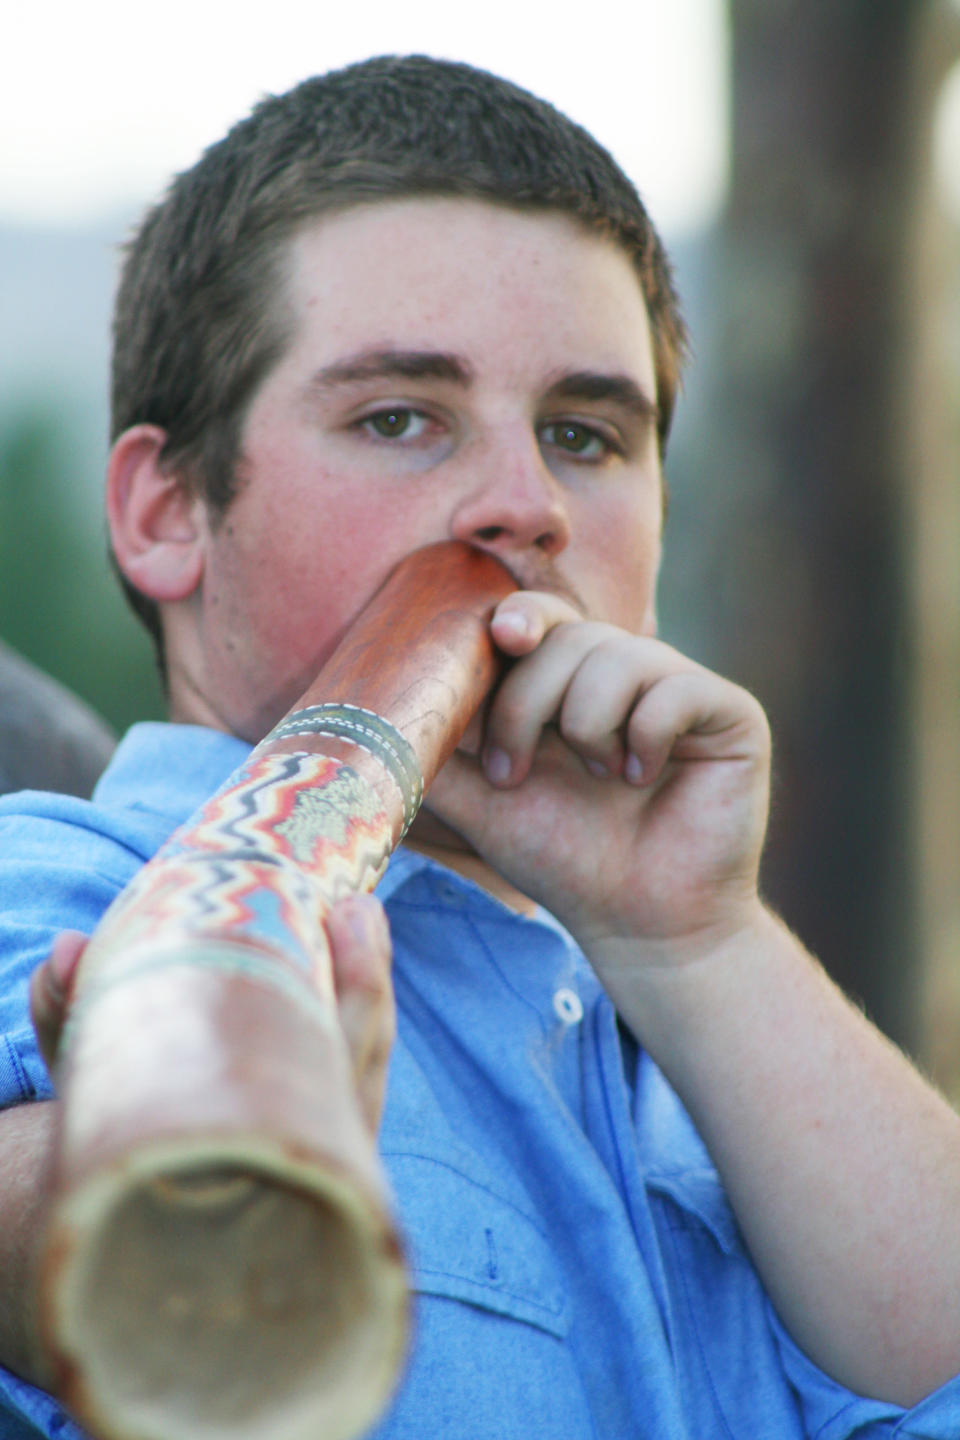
{"x": 802, "y": 158}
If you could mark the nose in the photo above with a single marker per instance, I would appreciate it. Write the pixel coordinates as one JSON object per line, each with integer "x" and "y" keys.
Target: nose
{"x": 512, "y": 503}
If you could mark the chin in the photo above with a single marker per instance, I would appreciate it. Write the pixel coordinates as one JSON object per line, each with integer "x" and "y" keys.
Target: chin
{"x": 433, "y": 834}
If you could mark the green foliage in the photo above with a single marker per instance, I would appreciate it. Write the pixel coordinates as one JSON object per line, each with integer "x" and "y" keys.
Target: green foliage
{"x": 59, "y": 604}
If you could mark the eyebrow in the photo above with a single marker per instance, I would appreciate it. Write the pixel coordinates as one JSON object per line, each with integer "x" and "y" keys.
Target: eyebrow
{"x": 595, "y": 385}
{"x": 588, "y": 385}
{"x": 387, "y": 364}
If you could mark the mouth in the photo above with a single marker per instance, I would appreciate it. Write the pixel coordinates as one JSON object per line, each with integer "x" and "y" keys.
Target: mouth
{"x": 547, "y": 579}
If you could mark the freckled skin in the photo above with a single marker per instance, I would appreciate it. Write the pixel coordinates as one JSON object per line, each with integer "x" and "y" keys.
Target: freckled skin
{"x": 329, "y": 504}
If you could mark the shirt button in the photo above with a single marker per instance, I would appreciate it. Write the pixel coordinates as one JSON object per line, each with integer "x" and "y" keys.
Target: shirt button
{"x": 568, "y": 1006}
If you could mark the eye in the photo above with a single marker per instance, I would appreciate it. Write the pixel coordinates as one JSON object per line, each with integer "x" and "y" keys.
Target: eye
{"x": 395, "y": 423}
{"x": 577, "y": 439}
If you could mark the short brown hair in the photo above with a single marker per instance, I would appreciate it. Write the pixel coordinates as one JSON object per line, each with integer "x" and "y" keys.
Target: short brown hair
{"x": 195, "y": 331}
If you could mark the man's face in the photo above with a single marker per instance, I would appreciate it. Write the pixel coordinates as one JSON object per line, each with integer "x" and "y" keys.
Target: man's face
{"x": 457, "y": 370}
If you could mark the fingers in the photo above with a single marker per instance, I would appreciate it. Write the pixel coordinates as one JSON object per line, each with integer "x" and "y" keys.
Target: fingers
{"x": 520, "y": 621}
{"x": 360, "y": 949}
{"x": 625, "y": 704}
{"x": 50, "y": 987}
{"x": 560, "y": 684}
{"x": 361, "y": 952}
{"x": 692, "y": 715}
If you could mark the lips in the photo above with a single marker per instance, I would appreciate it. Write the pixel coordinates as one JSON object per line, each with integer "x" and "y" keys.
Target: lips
{"x": 545, "y": 578}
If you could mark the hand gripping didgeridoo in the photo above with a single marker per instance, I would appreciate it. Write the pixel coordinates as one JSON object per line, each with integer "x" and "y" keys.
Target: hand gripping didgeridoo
{"x": 219, "y": 1261}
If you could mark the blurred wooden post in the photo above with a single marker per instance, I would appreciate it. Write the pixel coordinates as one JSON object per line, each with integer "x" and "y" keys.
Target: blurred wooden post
{"x": 811, "y": 351}
{"x": 932, "y": 466}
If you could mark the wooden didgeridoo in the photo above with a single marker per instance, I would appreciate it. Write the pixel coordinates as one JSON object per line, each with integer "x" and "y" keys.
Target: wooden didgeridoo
{"x": 219, "y": 1261}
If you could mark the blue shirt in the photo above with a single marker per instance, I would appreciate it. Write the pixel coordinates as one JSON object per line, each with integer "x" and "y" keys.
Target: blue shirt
{"x": 578, "y": 1272}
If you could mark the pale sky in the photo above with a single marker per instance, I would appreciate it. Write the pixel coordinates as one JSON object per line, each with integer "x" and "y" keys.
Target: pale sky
{"x": 102, "y": 100}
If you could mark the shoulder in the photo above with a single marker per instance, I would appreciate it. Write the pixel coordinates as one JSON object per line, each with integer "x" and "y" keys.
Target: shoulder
{"x": 63, "y": 860}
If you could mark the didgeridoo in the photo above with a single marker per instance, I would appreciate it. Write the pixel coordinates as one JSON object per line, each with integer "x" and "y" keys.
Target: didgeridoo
{"x": 220, "y": 1262}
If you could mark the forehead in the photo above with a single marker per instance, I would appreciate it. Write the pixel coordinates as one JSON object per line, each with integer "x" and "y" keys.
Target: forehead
{"x": 467, "y": 275}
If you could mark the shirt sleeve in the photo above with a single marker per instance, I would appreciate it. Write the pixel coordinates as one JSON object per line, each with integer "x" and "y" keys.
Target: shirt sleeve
{"x": 27, "y": 1413}
{"x": 830, "y": 1412}
{"x": 56, "y": 873}
{"x": 731, "y": 1325}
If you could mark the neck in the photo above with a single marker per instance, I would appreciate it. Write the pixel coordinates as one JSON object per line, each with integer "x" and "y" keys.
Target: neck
{"x": 429, "y": 837}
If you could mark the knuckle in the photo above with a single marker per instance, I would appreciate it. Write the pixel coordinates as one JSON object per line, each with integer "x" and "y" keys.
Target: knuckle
{"x": 509, "y": 712}
{"x": 580, "y": 729}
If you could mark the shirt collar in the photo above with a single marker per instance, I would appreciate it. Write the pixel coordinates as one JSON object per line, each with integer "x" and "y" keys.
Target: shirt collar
{"x": 165, "y": 775}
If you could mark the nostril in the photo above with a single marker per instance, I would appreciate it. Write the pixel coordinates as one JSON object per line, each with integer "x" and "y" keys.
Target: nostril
{"x": 490, "y": 532}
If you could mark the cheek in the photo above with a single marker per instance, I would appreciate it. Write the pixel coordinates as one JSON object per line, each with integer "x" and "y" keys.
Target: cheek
{"x": 310, "y": 575}
{"x": 622, "y": 560}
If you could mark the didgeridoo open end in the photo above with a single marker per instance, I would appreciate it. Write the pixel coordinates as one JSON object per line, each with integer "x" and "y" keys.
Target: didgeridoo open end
{"x": 220, "y": 1258}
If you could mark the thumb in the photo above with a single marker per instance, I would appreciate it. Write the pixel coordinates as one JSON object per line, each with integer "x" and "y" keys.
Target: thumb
{"x": 360, "y": 951}
{"x": 50, "y": 987}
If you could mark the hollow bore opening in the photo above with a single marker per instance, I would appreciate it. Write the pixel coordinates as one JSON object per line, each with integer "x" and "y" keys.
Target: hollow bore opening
{"x": 214, "y": 1301}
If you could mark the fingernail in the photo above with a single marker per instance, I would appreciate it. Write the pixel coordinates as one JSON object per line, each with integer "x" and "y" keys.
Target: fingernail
{"x": 60, "y": 968}
{"x": 633, "y": 769}
{"x": 496, "y": 762}
{"x": 598, "y": 769}
{"x": 366, "y": 921}
{"x": 514, "y": 621}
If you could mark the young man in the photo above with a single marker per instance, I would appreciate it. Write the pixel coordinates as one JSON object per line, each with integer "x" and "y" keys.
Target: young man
{"x": 405, "y": 303}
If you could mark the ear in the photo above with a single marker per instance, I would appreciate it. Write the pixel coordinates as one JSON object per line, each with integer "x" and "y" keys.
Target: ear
{"x": 156, "y": 525}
